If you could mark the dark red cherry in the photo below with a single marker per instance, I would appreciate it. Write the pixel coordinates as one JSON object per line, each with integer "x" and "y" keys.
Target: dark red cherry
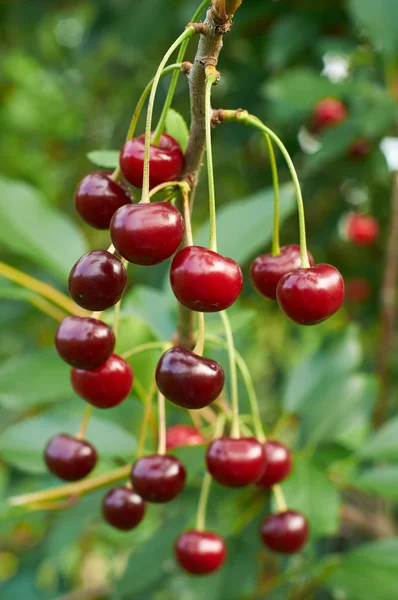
{"x": 183, "y": 435}
{"x": 200, "y": 552}
{"x": 309, "y": 296}
{"x": 360, "y": 148}
{"x": 147, "y": 234}
{"x": 188, "y": 379}
{"x": 158, "y": 478}
{"x": 97, "y": 281}
{"x": 267, "y": 269}
{"x": 205, "y": 281}
{"x": 285, "y": 532}
{"x": 328, "y": 112}
{"x": 235, "y": 462}
{"x": 98, "y": 197}
{"x": 123, "y": 508}
{"x": 69, "y": 458}
{"x": 166, "y": 161}
{"x": 361, "y": 230}
{"x": 107, "y": 385}
{"x": 278, "y": 459}
{"x": 84, "y": 343}
{"x": 358, "y": 290}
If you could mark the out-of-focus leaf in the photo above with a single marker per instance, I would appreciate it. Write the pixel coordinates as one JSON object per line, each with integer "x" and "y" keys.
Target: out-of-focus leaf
{"x": 379, "y": 20}
{"x": 177, "y": 128}
{"x": 288, "y": 36}
{"x": 34, "y": 229}
{"x": 382, "y": 480}
{"x": 384, "y": 443}
{"x": 107, "y": 159}
{"x": 154, "y": 307}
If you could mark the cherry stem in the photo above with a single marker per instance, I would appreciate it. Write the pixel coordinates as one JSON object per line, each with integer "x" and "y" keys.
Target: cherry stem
{"x": 187, "y": 217}
{"x": 161, "y": 423}
{"x": 279, "y": 498}
{"x": 182, "y": 185}
{"x": 143, "y": 348}
{"x": 211, "y": 78}
{"x": 186, "y": 35}
{"x": 233, "y": 374}
{"x": 146, "y": 418}
{"x": 276, "y": 249}
{"x": 118, "y": 306}
{"x": 200, "y": 342}
{"x": 174, "y": 80}
{"x": 81, "y": 434}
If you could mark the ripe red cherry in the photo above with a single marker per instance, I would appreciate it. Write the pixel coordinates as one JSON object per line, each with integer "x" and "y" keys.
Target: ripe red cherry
{"x": 98, "y": 197}
{"x": 107, "y": 385}
{"x": 309, "y": 296}
{"x": 361, "y": 230}
{"x": 84, "y": 343}
{"x": 166, "y": 161}
{"x": 147, "y": 234}
{"x": 200, "y": 552}
{"x": 360, "y": 148}
{"x": 69, "y": 458}
{"x": 328, "y": 112}
{"x": 278, "y": 459}
{"x": 183, "y": 435}
{"x": 189, "y": 380}
{"x": 285, "y": 532}
{"x": 235, "y": 462}
{"x": 97, "y": 281}
{"x": 267, "y": 269}
{"x": 158, "y": 478}
{"x": 358, "y": 290}
{"x": 205, "y": 281}
{"x": 123, "y": 508}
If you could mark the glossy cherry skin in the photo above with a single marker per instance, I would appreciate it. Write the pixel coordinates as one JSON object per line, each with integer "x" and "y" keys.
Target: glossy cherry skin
{"x": 69, "y": 458}
{"x": 107, "y": 385}
{"x": 278, "y": 459}
{"x": 183, "y": 435}
{"x": 166, "y": 161}
{"x": 147, "y": 234}
{"x": 188, "y": 379}
{"x": 358, "y": 290}
{"x": 361, "y": 230}
{"x": 235, "y": 462}
{"x": 360, "y": 148}
{"x": 123, "y": 508}
{"x": 84, "y": 343}
{"x": 310, "y": 296}
{"x": 328, "y": 112}
{"x": 98, "y": 197}
{"x": 97, "y": 281}
{"x": 285, "y": 532}
{"x": 158, "y": 478}
{"x": 200, "y": 552}
{"x": 267, "y": 269}
{"x": 205, "y": 281}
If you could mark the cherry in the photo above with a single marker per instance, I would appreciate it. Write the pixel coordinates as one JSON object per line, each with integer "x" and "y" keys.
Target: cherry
{"x": 84, "y": 343}
{"x": 147, "y": 234}
{"x": 360, "y": 148}
{"x": 123, "y": 508}
{"x": 309, "y": 296}
{"x": 358, "y": 290}
{"x": 328, "y": 112}
{"x": 107, "y": 385}
{"x": 69, "y": 458}
{"x": 205, "y": 281}
{"x": 97, "y": 281}
{"x": 183, "y": 435}
{"x": 361, "y": 230}
{"x": 158, "y": 477}
{"x": 285, "y": 532}
{"x": 98, "y": 197}
{"x": 267, "y": 269}
{"x": 166, "y": 160}
{"x": 235, "y": 462}
{"x": 278, "y": 460}
{"x": 189, "y": 380}
{"x": 200, "y": 552}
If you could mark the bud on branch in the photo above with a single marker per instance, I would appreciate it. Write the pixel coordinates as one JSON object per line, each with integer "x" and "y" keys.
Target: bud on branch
{"x": 225, "y": 9}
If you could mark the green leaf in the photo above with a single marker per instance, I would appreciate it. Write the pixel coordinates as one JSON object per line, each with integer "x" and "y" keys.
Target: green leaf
{"x": 246, "y": 226}
{"x": 381, "y": 480}
{"x": 32, "y": 228}
{"x": 290, "y": 35}
{"x": 369, "y": 572}
{"x": 309, "y": 491}
{"x": 383, "y": 444}
{"x": 107, "y": 159}
{"x": 154, "y": 307}
{"x": 177, "y": 128}
{"x": 23, "y": 444}
{"x": 379, "y": 19}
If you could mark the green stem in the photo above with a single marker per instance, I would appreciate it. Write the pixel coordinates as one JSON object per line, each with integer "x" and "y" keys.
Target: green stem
{"x": 186, "y": 35}
{"x": 200, "y": 342}
{"x": 203, "y": 500}
{"x": 210, "y": 80}
{"x": 233, "y": 374}
{"x": 161, "y": 424}
{"x": 81, "y": 434}
{"x": 174, "y": 80}
{"x": 143, "y": 348}
{"x": 276, "y": 249}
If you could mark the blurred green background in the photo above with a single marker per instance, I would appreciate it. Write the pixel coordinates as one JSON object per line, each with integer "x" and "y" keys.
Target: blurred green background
{"x": 71, "y": 75}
